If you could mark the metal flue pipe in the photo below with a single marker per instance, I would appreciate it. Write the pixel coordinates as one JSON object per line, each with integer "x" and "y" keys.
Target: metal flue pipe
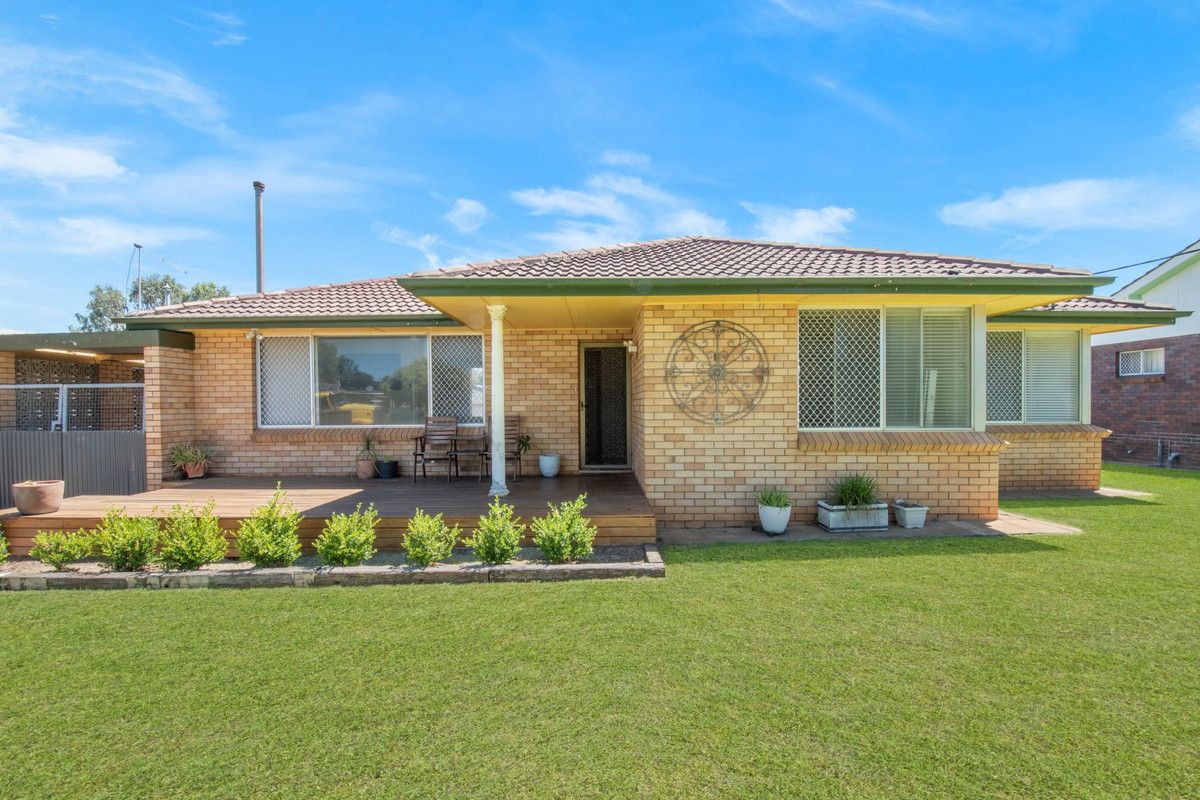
{"x": 259, "y": 186}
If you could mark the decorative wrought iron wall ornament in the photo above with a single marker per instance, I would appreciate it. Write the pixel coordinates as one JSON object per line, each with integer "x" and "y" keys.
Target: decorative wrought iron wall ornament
{"x": 717, "y": 372}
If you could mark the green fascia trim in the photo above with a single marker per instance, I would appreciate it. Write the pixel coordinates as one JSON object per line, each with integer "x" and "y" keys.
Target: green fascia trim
{"x": 1094, "y": 317}
{"x": 423, "y": 321}
{"x": 1139, "y": 294}
{"x": 100, "y": 341}
{"x": 584, "y": 287}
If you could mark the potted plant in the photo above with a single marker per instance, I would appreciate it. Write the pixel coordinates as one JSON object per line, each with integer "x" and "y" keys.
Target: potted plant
{"x": 191, "y": 458}
{"x": 523, "y": 445}
{"x": 909, "y": 515}
{"x": 549, "y": 464}
{"x": 38, "y": 497}
{"x": 855, "y": 506}
{"x": 364, "y": 460}
{"x": 387, "y": 467}
{"x": 774, "y": 511}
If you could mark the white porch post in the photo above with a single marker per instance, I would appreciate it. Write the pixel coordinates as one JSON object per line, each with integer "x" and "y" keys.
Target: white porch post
{"x": 1085, "y": 377}
{"x": 499, "y": 468}
{"x": 979, "y": 368}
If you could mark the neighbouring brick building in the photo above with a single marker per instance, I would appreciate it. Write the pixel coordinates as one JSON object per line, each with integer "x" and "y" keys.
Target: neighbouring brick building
{"x": 709, "y": 368}
{"x": 1145, "y": 381}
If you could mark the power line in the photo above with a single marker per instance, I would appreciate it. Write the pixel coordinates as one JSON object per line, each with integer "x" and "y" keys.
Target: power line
{"x": 1144, "y": 263}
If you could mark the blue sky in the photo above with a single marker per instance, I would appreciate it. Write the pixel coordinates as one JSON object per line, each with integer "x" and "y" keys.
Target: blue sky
{"x": 435, "y": 133}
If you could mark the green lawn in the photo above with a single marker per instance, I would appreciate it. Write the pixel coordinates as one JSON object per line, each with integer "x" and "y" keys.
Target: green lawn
{"x": 1054, "y": 666}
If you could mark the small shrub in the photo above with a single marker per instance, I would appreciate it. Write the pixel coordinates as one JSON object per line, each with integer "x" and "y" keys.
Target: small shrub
{"x": 855, "y": 491}
{"x": 498, "y": 536}
{"x": 774, "y": 498}
{"x": 59, "y": 548}
{"x": 270, "y": 535}
{"x": 348, "y": 539}
{"x": 565, "y": 534}
{"x": 192, "y": 539}
{"x": 429, "y": 539}
{"x": 126, "y": 543}
{"x": 3, "y": 547}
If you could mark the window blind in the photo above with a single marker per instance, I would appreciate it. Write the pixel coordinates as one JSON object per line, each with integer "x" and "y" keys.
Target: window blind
{"x": 1052, "y": 376}
{"x": 946, "y": 368}
{"x": 903, "y": 367}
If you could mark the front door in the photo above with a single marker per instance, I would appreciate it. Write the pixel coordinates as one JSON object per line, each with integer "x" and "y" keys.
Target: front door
{"x": 604, "y": 404}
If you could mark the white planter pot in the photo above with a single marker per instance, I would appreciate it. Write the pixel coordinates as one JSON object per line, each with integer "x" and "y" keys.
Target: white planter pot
{"x": 549, "y": 464}
{"x": 839, "y": 518}
{"x": 774, "y": 520}
{"x": 910, "y": 515}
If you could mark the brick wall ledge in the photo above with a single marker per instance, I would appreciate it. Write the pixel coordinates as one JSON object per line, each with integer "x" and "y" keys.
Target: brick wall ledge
{"x": 339, "y": 434}
{"x": 1041, "y": 433}
{"x": 898, "y": 442}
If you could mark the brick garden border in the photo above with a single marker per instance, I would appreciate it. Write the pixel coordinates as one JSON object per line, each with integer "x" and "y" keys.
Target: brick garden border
{"x": 651, "y": 567}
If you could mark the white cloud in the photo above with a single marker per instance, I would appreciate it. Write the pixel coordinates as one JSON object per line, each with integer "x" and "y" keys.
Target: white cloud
{"x": 89, "y": 235}
{"x": 1119, "y": 204}
{"x": 866, "y": 104}
{"x": 615, "y": 208}
{"x": 28, "y": 70}
{"x": 223, "y": 28}
{"x": 55, "y": 161}
{"x": 467, "y": 215}
{"x": 833, "y": 14}
{"x": 571, "y": 202}
{"x": 808, "y": 225}
{"x": 1189, "y": 125}
{"x": 629, "y": 159}
{"x": 425, "y": 244}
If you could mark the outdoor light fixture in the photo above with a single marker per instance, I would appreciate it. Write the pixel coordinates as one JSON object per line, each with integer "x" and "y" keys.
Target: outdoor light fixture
{"x": 629, "y": 346}
{"x": 83, "y": 353}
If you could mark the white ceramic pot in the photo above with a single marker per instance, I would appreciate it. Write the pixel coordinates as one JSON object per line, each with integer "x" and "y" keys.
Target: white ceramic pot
{"x": 910, "y": 515}
{"x": 840, "y": 518}
{"x": 549, "y": 464}
{"x": 774, "y": 520}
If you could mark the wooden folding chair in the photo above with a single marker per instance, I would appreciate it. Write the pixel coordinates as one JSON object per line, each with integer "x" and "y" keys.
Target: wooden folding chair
{"x": 436, "y": 445}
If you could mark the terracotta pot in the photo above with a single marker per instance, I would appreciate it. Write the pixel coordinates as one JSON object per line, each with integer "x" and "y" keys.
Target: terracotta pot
{"x": 38, "y": 497}
{"x": 365, "y": 468}
{"x": 194, "y": 470}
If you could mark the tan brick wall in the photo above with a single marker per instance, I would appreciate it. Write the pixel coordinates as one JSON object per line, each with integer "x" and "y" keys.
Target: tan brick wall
{"x": 541, "y": 384}
{"x": 113, "y": 371}
{"x": 1050, "y": 456}
{"x": 170, "y": 403}
{"x": 700, "y": 475}
{"x": 8, "y": 398}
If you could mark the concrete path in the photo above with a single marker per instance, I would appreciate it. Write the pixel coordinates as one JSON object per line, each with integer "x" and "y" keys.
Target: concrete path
{"x": 1008, "y": 524}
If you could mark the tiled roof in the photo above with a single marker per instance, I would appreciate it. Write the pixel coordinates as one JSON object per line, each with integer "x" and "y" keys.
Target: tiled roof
{"x": 705, "y": 257}
{"x": 379, "y": 297}
{"x": 1101, "y": 304}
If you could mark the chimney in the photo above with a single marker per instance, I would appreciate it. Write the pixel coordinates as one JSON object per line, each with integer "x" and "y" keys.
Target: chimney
{"x": 259, "y": 186}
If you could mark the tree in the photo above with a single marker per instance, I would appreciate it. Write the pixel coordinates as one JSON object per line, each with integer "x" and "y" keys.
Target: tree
{"x": 105, "y": 304}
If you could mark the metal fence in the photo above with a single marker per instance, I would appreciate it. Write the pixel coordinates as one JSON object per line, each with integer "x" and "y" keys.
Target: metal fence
{"x": 72, "y": 407}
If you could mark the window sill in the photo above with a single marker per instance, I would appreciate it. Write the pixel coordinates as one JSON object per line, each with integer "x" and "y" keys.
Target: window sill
{"x": 1040, "y": 432}
{"x": 898, "y": 442}
{"x": 1155, "y": 378}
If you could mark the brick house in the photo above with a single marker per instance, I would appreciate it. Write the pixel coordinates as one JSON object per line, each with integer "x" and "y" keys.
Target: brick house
{"x": 1144, "y": 381}
{"x": 709, "y": 368}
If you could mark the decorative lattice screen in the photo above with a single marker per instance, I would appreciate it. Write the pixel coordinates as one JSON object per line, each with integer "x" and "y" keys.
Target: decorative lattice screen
{"x": 838, "y": 368}
{"x": 102, "y": 407}
{"x": 284, "y": 380}
{"x": 1005, "y": 375}
{"x": 456, "y": 387}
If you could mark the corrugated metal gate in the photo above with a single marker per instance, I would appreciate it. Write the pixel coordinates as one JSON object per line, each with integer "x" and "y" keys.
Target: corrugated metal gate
{"x": 89, "y": 436}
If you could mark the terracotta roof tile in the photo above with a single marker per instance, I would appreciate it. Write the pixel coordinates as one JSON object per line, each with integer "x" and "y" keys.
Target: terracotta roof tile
{"x": 1102, "y": 304}
{"x": 374, "y": 297}
{"x": 706, "y": 257}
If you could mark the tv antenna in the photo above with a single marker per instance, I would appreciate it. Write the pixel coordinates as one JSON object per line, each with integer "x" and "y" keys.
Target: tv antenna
{"x": 137, "y": 248}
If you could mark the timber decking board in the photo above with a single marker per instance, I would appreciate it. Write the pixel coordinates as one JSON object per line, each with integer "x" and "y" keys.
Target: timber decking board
{"x": 615, "y": 503}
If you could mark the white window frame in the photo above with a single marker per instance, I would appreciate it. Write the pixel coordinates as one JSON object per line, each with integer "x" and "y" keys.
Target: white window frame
{"x": 1083, "y": 395}
{"x": 882, "y": 399}
{"x": 312, "y": 377}
{"x": 1142, "y": 362}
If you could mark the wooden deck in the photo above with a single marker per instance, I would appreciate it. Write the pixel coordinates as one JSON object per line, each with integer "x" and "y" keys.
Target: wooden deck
{"x": 615, "y": 503}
